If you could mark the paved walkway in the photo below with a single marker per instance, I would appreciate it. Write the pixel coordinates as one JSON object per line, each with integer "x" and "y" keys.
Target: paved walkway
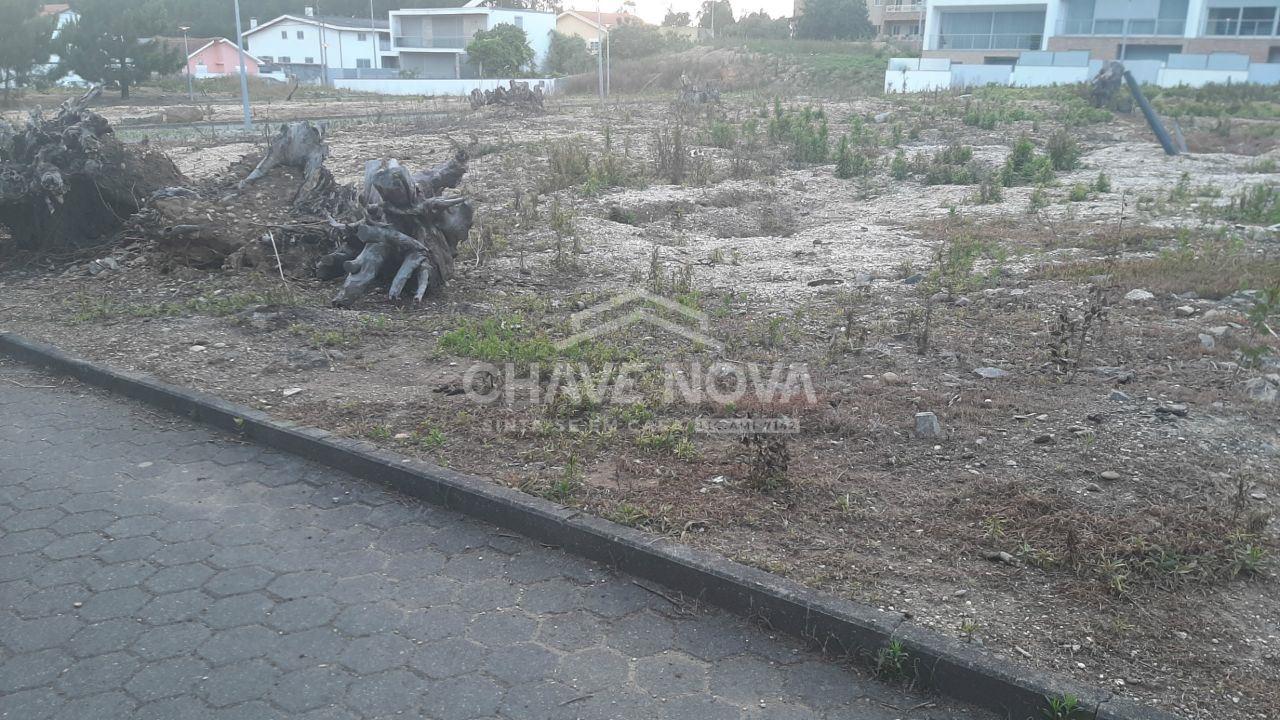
{"x": 153, "y": 569}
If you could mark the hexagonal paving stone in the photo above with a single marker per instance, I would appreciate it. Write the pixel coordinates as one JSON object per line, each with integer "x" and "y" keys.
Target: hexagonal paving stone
{"x": 670, "y": 674}
{"x": 375, "y": 653}
{"x": 179, "y": 577}
{"x": 449, "y": 657}
{"x": 310, "y": 688}
{"x": 302, "y": 613}
{"x": 176, "y": 676}
{"x": 241, "y": 643}
{"x": 464, "y": 697}
{"x": 387, "y": 693}
{"x": 97, "y": 674}
{"x": 238, "y": 683}
{"x": 238, "y": 580}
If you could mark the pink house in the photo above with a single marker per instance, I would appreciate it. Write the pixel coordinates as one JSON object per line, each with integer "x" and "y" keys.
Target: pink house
{"x": 211, "y": 57}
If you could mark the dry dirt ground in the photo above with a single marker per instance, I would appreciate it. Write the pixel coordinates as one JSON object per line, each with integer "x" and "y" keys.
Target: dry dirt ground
{"x": 1102, "y": 509}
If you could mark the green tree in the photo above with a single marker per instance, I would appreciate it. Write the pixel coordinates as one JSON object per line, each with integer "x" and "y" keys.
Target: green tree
{"x": 635, "y": 41}
{"x": 25, "y": 41}
{"x": 675, "y": 19}
{"x": 723, "y": 13}
{"x": 567, "y": 55}
{"x": 110, "y": 42}
{"x": 834, "y": 20}
{"x": 760, "y": 25}
{"x": 502, "y": 52}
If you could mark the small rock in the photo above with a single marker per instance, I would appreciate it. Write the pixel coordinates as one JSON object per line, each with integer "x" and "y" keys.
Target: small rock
{"x": 1260, "y": 390}
{"x": 1119, "y": 396}
{"x": 1093, "y": 487}
{"x": 961, "y": 301}
{"x": 1109, "y": 475}
{"x": 882, "y": 118}
{"x": 401, "y": 436}
{"x": 1258, "y": 495}
{"x": 1207, "y": 342}
{"x": 940, "y": 297}
{"x": 1219, "y": 331}
{"x": 1176, "y": 409}
{"x": 1117, "y": 374}
{"x": 913, "y": 279}
{"x": 1139, "y": 296}
{"x": 891, "y": 378}
{"x": 197, "y": 348}
{"x": 990, "y": 373}
{"x": 1185, "y": 310}
{"x": 1045, "y": 439}
{"x": 290, "y": 392}
{"x": 927, "y": 426}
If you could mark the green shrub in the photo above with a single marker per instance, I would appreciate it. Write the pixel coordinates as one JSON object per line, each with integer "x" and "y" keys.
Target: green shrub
{"x": 721, "y": 134}
{"x": 1103, "y": 183}
{"x": 851, "y": 162}
{"x": 1079, "y": 193}
{"x": 898, "y": 167}
{"x": 804, "y": 132}
{"x": 1025, "y": 167}
{"x": 1257, "y": 205}
{"x": 1064, "y": 151}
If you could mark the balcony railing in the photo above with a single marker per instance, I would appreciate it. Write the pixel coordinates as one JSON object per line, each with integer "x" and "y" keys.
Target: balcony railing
{"x": 1231, "y": 27}
{"x": 952, "y": 41}
{"x": 450, "y": 42}
{"x": 1132, "y": 26}
{"x": 384, "y": 43}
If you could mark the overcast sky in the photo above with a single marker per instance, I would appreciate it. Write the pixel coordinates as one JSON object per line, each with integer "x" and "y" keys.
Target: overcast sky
{"x": 654, "y": 10}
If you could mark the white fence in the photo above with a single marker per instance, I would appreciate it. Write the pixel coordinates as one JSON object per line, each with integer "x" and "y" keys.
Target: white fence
{"x": 1036, "y": 69}
{"x": 425, "y": 86}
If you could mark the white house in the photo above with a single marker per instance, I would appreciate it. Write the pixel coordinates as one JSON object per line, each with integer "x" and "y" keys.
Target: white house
{"x": 308, "y": 45}
{"x": 432, "y": 42}
{"x": 994, "y": 32}
{"x": 64, "y": 15}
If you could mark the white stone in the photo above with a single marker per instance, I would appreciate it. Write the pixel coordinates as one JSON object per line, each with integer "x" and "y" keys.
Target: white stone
{"x": 1139, "y": 296}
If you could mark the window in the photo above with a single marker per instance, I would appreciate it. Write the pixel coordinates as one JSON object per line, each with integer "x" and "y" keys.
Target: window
{"x": 266, "y": 59}
{"x": 309, "y": 60}
{"x": 285, "y": 59}
{"x": 364, "y": 63}
{"x": 300, "y": 35}
{"x": 1241, "y": 21}
{"x": 520, "y": 21}
{"x": 362, "y": 37}
{"x": 284, "y": 34}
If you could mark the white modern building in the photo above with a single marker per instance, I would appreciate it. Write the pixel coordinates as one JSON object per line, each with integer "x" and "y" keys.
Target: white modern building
{"x": 432, "y": 42}
{"x": 995, "y": 32}
{"x": 307, "y": 45}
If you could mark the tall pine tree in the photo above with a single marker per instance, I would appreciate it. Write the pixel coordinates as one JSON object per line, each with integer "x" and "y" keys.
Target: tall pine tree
{"x": 25, "y": 41}
{"x": 111, "y": 42}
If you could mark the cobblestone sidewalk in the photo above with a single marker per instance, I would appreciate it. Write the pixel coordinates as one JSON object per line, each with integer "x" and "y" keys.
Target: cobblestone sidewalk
{"x": 154, "y": 570}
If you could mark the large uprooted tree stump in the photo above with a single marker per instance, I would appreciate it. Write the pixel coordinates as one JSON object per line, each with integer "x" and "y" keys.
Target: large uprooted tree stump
{"x": 396, "y": 228}
{"x": 67, "y": 182}
{"x": 519, "y": 95}
{"x": 408, "y": 231}
{"x": 300, "y": 145}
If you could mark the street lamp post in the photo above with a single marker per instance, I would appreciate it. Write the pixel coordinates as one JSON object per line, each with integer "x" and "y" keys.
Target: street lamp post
{"x": 600, "y": 51}
{"x": 186, "y": 53}
{"x": 244, "y": 74}
{"x": 373, "y": 32}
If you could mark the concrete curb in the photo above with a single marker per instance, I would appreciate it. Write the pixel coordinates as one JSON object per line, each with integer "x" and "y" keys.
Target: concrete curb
{"x": 942, "y": 664}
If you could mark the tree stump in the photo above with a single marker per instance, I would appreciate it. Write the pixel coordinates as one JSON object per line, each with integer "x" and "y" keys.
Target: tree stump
{"x": 68, "y": 183}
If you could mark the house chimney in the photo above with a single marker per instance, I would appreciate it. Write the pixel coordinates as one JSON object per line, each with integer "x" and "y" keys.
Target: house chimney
{"x": 253, "y": 23}
{"x": 309, "y": 11}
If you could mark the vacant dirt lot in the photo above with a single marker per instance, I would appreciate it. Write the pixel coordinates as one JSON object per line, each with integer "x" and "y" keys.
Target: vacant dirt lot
{"x": 1098, "y": 498}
